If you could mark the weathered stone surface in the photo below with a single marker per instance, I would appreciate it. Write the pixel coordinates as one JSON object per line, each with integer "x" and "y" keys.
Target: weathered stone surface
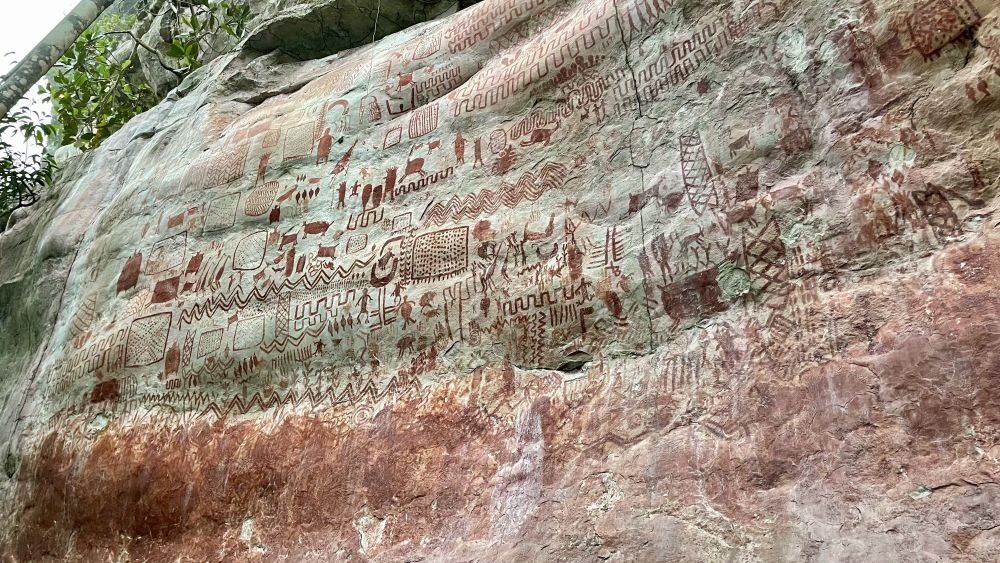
{"x": 309, "y": 29}
{"x": 630, "y": 280}
{"x": 304, "y": 29}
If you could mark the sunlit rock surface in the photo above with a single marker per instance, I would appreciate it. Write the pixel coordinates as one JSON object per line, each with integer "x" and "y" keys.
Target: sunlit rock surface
{"x": 629, "y": 280}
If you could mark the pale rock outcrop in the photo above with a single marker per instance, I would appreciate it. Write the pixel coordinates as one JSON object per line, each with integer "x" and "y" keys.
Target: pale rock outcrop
{"x": 625, "y": 280}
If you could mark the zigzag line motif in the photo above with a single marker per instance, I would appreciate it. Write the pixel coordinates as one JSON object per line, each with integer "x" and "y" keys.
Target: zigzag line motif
{"x": 192, "y": 398}
{"x": 279, "y": 344}
{"x": 534, "y": 335}
{"x": 240, "y": 300}
{"x": 539, "y": 58}
{"x": 211, "y": 369}
{"x": 484, "y": 20}
{"x": 527, "y": 188}
{"x": 237, "y": 406}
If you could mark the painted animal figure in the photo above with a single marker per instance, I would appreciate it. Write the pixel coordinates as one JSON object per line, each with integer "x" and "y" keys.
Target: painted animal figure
{"x": 427, "y": 299}
{"x": 327, "y": 251}
{"x": 697, "y": 295}
{"x": 404, "y": 345}
{"x": 317, "y": 228}
{"x": 697, "y": 240}
{"x": 614, "y": 305}
{"x": 677, "y": 306}
{"x": 288, "y": 239}
{"x": 533, "y": 236}
{"x": 540, "y": 135}
{"x": 404, "y": 80}
{"x": 740, "y": 143}
{"x": 637, "y": 201}
{"x": 414, "y": 165}
{"x": 540, "y": 235}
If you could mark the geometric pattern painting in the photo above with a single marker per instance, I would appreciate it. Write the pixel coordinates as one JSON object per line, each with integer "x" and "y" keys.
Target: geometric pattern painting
{"x": 248, "y": 333}
{"x": 260, "y": 199}
{"x": 423, "y": 120}
{"x": 936, "y": 23}
{"x": 221, "y": 213}
{"x": 699, "y": 184}
{"x": 210, "y": 341}
{"x": 441, "y": 253}
{"x": 227, "y": 166}
{"x": 299, "y": 141}
{"x": 250, "y": 251}
{"x": 764, "y": 256}
{"x": 167, "y": 254}
{"x": 147, "y": 340}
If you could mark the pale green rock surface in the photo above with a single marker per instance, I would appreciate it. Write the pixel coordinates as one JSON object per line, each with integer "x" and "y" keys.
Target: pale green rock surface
{"x": 627, "y": 280}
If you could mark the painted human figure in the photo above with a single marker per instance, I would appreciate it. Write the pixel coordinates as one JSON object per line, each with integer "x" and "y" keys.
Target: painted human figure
{"x": 262, "y": 167}
{"x": 459, "y": 148}
{"x": 390, "y": 182}
{"x": 325, "y": 143}
{"x": 479, "y": 153}
{"x": 341, "y": 192}
{"x": 364, "y": 300}
{"x": 366, "y": 195}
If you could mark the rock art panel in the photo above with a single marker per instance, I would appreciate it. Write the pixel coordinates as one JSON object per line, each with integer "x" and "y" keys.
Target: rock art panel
{"x": 542, "y": 280}
{"x": 147, "y": 340}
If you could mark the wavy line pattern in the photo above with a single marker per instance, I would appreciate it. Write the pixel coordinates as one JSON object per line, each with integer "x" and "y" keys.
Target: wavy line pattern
{"x": 368, "y": 392}
{"x": 239, "y": 300}
{"x": 527, "y": 188}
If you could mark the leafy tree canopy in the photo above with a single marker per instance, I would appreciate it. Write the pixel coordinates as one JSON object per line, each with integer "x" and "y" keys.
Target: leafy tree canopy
{"x": 97, "y": 87}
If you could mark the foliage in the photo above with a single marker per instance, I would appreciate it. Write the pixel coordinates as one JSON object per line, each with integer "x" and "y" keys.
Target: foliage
{"x": 97, "y": 87}
{"x": 199, "y": 20}
{"x": 93, "y": 93}
{"x": 23, "y": 169}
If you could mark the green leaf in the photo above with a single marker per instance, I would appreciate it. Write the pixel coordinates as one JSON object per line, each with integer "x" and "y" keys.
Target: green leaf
{"x": 175, "y": 50}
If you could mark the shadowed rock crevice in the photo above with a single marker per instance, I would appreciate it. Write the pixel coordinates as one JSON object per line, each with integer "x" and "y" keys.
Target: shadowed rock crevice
{"x": 312, "y": 30}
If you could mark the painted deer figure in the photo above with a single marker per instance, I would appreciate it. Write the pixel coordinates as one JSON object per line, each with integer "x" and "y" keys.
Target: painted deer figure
{"x": 414, "y": 165}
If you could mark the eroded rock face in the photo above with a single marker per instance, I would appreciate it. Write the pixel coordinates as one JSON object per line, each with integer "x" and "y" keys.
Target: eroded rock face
{"x": 625, "y": 280}
{"x": 299, "y": 29}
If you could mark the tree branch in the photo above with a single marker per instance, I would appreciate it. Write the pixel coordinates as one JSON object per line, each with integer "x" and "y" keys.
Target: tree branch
{"x": 39, "y": 60}
{"x": 156, "y": 53}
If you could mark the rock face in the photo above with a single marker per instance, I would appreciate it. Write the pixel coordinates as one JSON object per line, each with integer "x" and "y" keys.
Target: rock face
{"x": 630, "y": 280}
{"x": 302, "y": 29}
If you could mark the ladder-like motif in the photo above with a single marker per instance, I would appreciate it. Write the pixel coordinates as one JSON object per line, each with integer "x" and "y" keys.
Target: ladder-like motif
{"x": 699, "y": 184}
{"x": 764, "y": 257}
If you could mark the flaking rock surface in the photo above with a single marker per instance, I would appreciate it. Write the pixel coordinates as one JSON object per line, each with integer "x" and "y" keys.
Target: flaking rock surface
{"x": 623, "y": 280}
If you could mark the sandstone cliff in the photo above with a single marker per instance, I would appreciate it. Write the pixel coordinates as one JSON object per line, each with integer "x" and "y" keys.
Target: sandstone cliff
{"x": 627, "y": 280}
